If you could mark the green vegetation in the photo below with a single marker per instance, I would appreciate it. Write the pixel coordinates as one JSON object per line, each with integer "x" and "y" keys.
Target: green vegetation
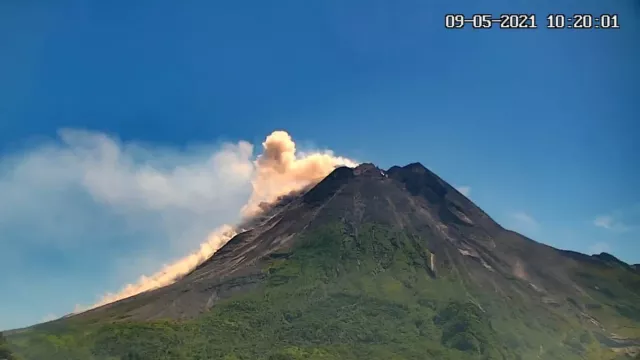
{"x": 338, "y": 296}
{"x": 613, "y": 297}
{"x": 5, "y": 352}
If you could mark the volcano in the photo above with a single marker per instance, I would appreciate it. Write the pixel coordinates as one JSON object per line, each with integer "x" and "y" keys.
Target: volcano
{"x": 369, "y": 264}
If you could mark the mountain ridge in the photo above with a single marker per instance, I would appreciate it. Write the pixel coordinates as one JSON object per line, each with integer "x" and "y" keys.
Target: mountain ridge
{"x": 403, "y": 240}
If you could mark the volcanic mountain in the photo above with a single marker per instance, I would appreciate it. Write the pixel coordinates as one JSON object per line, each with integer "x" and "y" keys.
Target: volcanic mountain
{"x": 369, "y": 264}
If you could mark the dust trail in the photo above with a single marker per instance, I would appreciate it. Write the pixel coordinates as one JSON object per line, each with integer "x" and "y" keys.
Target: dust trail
{"x": 171, "y": 272}
{"x": 279, "y": 170}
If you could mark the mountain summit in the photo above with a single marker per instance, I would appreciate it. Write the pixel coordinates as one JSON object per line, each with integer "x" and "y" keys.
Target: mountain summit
{"x": 376, "y": 264}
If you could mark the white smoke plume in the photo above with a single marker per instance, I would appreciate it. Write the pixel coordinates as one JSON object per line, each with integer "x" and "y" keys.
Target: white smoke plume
{"x": 86, "y": 212}
{"x": 277, "y": 171}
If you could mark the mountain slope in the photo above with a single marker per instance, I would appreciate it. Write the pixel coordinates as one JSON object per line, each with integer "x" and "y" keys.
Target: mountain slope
{"x": 370, "y": 264}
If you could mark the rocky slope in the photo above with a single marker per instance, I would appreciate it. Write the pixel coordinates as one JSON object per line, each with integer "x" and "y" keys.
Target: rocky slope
{"x": 373, "y": 263}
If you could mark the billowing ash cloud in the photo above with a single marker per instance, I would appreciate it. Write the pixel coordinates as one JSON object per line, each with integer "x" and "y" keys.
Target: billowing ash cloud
{"x": 277, "y": 171}
{"x": 86, "y": 212}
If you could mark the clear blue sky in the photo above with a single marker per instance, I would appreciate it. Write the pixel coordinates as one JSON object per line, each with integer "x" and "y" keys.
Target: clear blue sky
{"x": 543, "y": 126}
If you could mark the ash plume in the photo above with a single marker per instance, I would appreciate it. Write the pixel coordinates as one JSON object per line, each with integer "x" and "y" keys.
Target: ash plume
{"x": 279, "y": 172}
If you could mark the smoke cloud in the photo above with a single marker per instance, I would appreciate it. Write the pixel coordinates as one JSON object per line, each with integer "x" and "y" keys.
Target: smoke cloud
{"x": 277, "y": 171}
{"x": 86, "y": 212}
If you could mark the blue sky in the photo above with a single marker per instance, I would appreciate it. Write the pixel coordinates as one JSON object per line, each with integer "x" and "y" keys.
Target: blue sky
{"x": 542, "y": 126}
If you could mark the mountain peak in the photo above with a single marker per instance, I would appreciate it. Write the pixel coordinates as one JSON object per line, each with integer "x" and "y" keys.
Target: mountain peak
{"x": 368, "y": 169}
{"x": 606, "y": 257}
{"x": 403, "y": 245}
{"x": 416, "y": 166}
{"x": 364, "y": 167}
